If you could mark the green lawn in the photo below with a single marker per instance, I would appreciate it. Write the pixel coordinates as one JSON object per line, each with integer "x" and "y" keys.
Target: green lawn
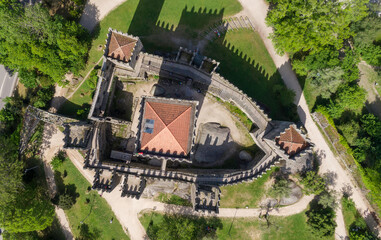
{"x": 285, "y": 228}
{"x": 349, "y": 212}
{"x": 95, "y": 215}
{"x": 152, "y": 22}
{"x": 244, "y": 194}
{"x": 352, "y": 217}
{"x": 236, "y": 111}
{"x": 246, "y": 63}
{"x": 162, "y": 25}
{"x": 173, "y": 199}
{"x": 82, "y": 98}
{"x": 309, "y": 93}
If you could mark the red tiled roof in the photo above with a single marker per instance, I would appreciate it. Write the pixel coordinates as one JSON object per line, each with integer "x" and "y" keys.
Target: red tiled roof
{"x": 121, "y": 47}
{"x": 291, "y": 141}
{"x": 172, "y": 123}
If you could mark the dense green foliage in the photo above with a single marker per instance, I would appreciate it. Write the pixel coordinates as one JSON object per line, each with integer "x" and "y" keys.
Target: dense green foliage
{"x": 326, "y": 81}
{"x": 65, "y": 201}
{"x": 285, "y": 228}
{"x": 326, "y": 41}
{"x": 280, "y": 189}
{"x": 327, "y": 199}
{"x": 354, "y": 223}
{"x": 173, "y": 199}
{"x": 175, "y": 227}
{"x": 312, "y": 183}
{"x": 24, "y": 204}
{"x": 368, "y": 39}
{"x": 321, "y": 220}
{"x": 38, "y": 44}
{"x": 312, "y": 25}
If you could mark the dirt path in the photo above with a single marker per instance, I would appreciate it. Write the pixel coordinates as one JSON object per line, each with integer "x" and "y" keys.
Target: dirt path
{"x": 58, "y": 98}
{"x": 96, "y": 10}
{"x": 256, "y": 10}
{"x": 373, "y": 102}
{"x": 127, "y": 210}
{"x": 52, "y": 143}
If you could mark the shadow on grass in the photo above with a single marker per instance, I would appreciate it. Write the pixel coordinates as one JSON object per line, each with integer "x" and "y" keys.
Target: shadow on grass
{"x": 158, "y": 35}
{"x": 62, "y": 188}
{"x": 73, "y": 110}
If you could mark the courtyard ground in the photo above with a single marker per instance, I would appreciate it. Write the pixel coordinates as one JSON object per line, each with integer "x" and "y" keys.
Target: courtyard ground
{"x": 245, "y": 194}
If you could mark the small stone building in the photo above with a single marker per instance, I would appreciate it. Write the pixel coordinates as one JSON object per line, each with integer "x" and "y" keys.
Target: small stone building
{"x": 122, "y": 49}
{"x": 288, "y": 141}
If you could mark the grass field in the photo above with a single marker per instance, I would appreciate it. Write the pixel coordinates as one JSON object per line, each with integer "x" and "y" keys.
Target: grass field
{"x": 161, "y": 23}
{"x": 244, "y": 194}
{"x": 285, "y": 228}
{"x": 82, "y": 98}
{"x": 352, "y": 217}
{"x": 94, "y": 215}
{"x": 173, "y": 199}
{"x": 246, "y": 63}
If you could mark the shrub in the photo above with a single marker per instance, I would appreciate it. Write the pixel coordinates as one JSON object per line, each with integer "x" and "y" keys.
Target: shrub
{"x": 321, "y": 220}
{"x": 65, "y": 201}
{"x": 313, "y": 183}
{"x": 58, "y": 160}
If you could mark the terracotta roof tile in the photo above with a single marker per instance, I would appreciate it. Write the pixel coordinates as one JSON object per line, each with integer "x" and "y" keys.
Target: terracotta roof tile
{"x": 172, "y": 123}
{"x": 120, "y": 47}
{"x": 291, "y": 141}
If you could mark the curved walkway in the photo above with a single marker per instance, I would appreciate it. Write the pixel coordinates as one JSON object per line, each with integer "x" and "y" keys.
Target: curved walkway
{"x": 128, "y": 209}
{"x": 256, "y": 10}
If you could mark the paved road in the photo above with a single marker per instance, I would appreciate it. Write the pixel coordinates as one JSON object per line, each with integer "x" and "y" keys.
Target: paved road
{"x": 7, "y": 84}
{"x": 256, "y": 10}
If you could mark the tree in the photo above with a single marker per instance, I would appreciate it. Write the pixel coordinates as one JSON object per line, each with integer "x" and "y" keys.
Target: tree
{"x": 33, "y": 41}
{"x": 28, "y": 78}
{"x": 348, "y": 98}
{"x": 350, "y": 131}
{"x": 44, "y": 95}
{"x": 65, "y": 201}
{"x": 312, "y": 25}
{"x": 10, "y": 172}
{"x": 313, "y": 183}
{"x": 280, "y": 189}
{"x": 326, "y": 58}
{"x": 321, "y": 220}
{"x": 328, "y": 199}
{"x": 326, "y": 81}
{"x": 370, "y": 53}
{"x": 29, "y": 212}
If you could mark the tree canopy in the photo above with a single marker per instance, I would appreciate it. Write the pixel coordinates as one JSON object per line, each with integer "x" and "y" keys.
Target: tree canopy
{"x": 33, "y": 41}
{"x": 312, "y": 25}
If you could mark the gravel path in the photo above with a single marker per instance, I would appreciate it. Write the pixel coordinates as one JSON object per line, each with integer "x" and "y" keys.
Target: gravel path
{"x": 96, "y": 10}
{"x": 256, "y": 10}
{"x": 51, "y": 145}
{"x": 128, "y": 209}
{"x": 373, "y": 102}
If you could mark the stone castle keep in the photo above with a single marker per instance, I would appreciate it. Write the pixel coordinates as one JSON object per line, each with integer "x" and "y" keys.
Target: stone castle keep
{"x": 158, "y": 138}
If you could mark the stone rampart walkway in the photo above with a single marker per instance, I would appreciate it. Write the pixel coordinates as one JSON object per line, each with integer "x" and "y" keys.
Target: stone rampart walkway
{"x": 128, "y": 209}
